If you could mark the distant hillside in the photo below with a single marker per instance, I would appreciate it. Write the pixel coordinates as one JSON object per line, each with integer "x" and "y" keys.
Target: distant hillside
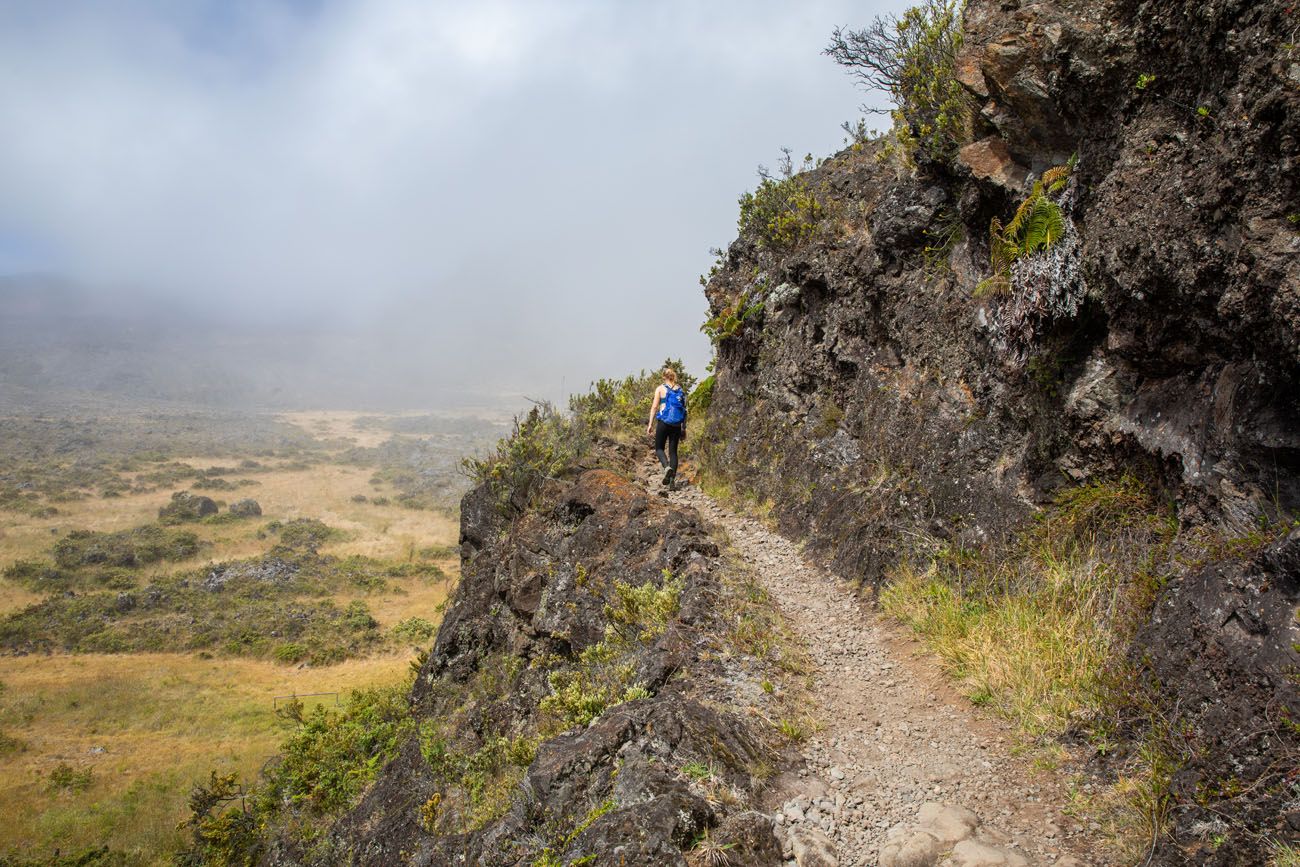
{"x": 61, "y": 343}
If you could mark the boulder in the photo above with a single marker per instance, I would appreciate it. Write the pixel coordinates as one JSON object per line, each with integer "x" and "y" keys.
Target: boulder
{"x": 245, "y": 508}
{"x": 812, "y": 848}
{"x": 973, "y": 853}
{"x": 991, "y": 160}
{"x": 185, "y": 506}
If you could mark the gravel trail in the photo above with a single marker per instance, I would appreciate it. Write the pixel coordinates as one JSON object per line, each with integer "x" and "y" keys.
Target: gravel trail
{"x": 904, "y": 771}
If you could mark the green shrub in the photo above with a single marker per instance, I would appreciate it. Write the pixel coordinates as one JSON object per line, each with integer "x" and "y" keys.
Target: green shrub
{"x": 125, "y": 548}
{"x": 702, "y": 397}
{"x": 542, "y": 445}
{"x": 244, "y": 608}
{"x": 66, "y": 778}
{"x": 475, "y": 786}
{"x": 783, "y": 210}
{"x": 324, "y": 766}
{"x": 913, "y": 60}
{"x": 303, "y": 534}
{"x": 414, "y": 629}
{"x": 623, "y": 405}
{"x": 731, "y": 319}
{"x": 1037, "y": 225}
{"x": 604, "y": 673}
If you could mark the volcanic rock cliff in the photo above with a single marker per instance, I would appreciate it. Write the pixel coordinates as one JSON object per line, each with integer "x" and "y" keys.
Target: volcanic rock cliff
{"x": 580, "y": 667}
{"x": 870, "y": 391}
{"x": 887, "y": 406}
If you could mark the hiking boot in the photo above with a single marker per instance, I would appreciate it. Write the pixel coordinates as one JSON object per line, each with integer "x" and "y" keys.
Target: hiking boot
{"x": 669, "y": 476}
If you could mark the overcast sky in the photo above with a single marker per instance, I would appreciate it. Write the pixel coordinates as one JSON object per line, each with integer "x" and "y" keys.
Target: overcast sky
{"x": 514, "y": 190}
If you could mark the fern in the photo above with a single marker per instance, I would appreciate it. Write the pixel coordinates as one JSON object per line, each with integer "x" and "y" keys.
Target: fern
{"x": 1037, "y": 224}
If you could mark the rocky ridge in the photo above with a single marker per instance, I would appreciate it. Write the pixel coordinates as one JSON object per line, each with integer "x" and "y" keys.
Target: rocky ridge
{"x": 884, "y": 409}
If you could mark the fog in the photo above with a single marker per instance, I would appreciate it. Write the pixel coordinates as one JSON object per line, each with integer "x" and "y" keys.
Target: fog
{"x": 394, "y": 201}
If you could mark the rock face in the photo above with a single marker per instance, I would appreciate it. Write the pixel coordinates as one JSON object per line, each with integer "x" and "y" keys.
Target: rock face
{"x": 874, "y": 400}
{"x": 543, "y": 608}
{"x": 185, "y": 506}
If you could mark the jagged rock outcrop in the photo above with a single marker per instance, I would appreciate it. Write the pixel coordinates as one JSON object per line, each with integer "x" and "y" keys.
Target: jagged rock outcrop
{"x": 185, "y": 506}
{"x": 610, "y": 598}
{"x": 875, "y": 400}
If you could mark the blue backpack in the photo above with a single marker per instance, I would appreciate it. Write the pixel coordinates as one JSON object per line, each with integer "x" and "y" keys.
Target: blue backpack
{"x": 673, "y": 410}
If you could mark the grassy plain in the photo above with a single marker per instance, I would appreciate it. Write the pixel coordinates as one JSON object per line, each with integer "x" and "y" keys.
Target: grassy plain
{"x": 104, "y": 749}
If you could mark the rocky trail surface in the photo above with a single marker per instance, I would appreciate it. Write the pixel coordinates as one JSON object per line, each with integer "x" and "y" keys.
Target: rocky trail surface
{"x": 902, "y": 771}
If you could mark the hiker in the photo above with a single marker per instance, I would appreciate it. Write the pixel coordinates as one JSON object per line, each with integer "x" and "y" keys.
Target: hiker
{"x": 668, "y": 423}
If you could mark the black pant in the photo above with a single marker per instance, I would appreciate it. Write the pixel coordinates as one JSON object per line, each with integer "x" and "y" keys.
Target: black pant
{"x": 672, "y": 435}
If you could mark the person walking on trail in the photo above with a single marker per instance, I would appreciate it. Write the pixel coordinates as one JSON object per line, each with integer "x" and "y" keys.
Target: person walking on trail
{"x": 668, "y": 423}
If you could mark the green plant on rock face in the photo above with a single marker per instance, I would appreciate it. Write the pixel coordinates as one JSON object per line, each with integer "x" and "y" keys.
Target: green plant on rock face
{"x": 782, "y": 210}
{"x": 731, "y": 319}
{"x": 542, "y": 445}
{"x": 1037, "y": 225}
{"x": 913, "y": 60}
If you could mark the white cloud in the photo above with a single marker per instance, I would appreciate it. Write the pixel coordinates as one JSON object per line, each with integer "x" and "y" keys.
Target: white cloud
{"x": 551, "y": 171}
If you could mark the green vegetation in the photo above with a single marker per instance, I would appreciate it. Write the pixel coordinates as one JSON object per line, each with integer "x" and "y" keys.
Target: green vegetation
{"x": 414, "y": 629}
{"x": 561, "y": 835}
{"x": 543, "y": 444}
{"x": 1036, "y": 630}
{"x": 1284, "y": 855}
{"x": 731, "y": 319}
{"x": 475, "y": 787}
{"x": 699, "y": 400}
{"x": 622, "y": 406}
{"x": 1037, "y": 225}
{"x": 324, "y": 766}
{"x": 912, "y": 59}
{"x": 66, "y": 778}
{"x": 783, "y": 210}
{"x": 128, "y": 548}
{"x": 55, "y": 460}
{"x": 603, "y": 676}
{"x": 268, "y": 607}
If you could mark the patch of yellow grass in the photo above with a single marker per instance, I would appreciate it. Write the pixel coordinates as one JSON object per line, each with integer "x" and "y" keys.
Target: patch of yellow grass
{"x": 324, "y": 491}
{"x": 338, "y": 425}
{"x": 1037, "y": 656}
{"x": 163, "y": 721}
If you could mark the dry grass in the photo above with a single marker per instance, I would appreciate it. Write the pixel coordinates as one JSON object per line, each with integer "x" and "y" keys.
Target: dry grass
{"x": 1039, "y": 658}
{"x": 324, "y": 491}
{"x": 337, "y": 425}
{"x": 162, "y": 720}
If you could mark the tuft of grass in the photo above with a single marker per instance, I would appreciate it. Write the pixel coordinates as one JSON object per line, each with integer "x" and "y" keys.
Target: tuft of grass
{"x": 1034, "y": 632}
{"x": 791, "y": 730}
{"x": 1284, "y": 855}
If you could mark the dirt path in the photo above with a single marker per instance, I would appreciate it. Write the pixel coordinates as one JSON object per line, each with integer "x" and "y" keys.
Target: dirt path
{"x": 904, "y": 772}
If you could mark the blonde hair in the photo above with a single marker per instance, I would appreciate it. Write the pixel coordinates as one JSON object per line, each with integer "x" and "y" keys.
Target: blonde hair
{"x": 670, "y": 376}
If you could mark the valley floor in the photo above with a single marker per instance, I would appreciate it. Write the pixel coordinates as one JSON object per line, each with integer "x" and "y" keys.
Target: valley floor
{"x": 892, "y": 736}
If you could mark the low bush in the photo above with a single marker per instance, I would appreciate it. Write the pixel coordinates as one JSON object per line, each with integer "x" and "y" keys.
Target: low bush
{"x": 623, "y": 405}
{"x": 269, "y": 607}
{"x": 603, "y": 675}
{"x": 125, "y": 548}
{"x": 323, "y": 767}
{"x": 542, "y": 444}
{"x": 783, "y": 211}
{"x": 414, "y": 629}
{"x": 913, "y": 60}
{"x": 185, "y": 507}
